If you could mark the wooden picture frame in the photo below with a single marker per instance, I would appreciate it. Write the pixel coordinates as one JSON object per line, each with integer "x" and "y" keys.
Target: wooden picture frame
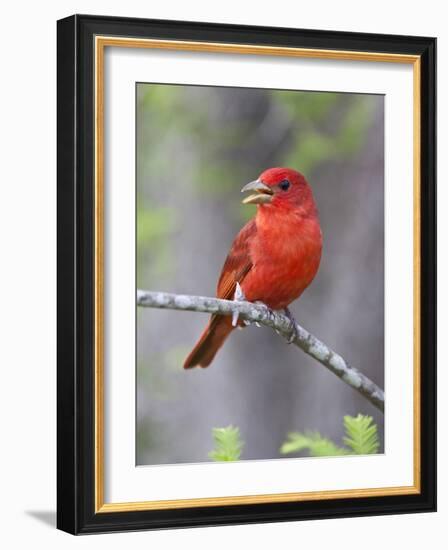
{"x": 82, "y": 40}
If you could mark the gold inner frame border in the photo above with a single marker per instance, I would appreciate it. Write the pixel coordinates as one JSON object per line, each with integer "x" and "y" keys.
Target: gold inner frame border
{"x": 100, "y": 43}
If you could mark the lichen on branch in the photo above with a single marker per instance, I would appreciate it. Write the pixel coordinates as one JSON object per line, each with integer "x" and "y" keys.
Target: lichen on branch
{"x": 292, "y": 331}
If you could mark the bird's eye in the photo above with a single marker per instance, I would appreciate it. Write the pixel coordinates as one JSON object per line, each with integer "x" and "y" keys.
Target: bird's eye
{"x": 284, "y": 185}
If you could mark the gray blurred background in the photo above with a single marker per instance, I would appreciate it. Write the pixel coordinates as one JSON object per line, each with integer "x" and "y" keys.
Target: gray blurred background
{"x": 196, "y": 148}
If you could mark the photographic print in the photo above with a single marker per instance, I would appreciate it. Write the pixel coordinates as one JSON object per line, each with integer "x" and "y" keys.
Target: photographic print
{"x": 246, "y": 244}
{"x": 305, "y": 238}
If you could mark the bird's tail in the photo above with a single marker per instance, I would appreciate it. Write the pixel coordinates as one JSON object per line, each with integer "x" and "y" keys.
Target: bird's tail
{"x": 211, "y": 340}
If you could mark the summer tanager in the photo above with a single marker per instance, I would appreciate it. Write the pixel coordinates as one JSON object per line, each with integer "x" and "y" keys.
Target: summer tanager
{"x": 274, "y": 257}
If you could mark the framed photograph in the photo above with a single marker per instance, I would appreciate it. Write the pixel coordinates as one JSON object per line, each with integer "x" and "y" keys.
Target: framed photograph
{"x": 230, "y": 358}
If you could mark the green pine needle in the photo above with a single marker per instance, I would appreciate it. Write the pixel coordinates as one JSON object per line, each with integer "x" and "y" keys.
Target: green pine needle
{"x": 313, "y": 442}
{"x": 228, "y": 444}
{"x": 361, "y": 439}
{"x": 362, "y": 435}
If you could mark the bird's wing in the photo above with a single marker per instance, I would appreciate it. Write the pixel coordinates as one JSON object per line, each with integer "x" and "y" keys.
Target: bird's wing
{"x": 238, "y": 263}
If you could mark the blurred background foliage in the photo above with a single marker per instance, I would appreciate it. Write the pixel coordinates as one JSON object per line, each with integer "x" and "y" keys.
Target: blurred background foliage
{"x": 196, "y": 148}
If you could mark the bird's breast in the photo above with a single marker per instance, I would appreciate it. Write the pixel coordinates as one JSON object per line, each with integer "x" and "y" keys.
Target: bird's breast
{"x": 285, "y": 258}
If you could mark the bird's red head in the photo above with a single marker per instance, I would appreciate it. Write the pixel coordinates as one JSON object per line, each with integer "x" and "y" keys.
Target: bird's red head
{"x": 282, "y": 188}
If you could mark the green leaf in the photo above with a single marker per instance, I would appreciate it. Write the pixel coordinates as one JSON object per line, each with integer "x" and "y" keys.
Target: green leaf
{"x": 313, "y": 442}
{"x": 361, "y": 438}
{"x": 228, "y": 444}
{"x": 361, "y": 434}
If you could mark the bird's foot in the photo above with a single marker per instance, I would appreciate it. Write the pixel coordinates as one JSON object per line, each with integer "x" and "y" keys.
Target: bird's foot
{"x": 256, "y": 323}
{"x": 294, "y": 334}
{"x": 259, "y": 303}
{"x": 237, "y": 297}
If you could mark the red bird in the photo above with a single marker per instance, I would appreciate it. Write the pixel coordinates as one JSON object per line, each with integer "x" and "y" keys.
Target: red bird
{"x": 274, "y": 257}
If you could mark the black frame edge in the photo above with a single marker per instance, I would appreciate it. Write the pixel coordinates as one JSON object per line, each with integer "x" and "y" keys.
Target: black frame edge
{"x": 76, "y": 268}
{"x": 428, "y": 298}
{"x": 66, "y": 274}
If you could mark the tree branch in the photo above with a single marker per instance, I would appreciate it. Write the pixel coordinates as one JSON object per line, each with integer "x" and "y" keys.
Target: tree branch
{"x": 257, "y": 313}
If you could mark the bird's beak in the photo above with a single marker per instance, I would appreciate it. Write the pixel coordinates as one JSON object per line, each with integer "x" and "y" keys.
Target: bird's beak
{"x": 263, "y": 193}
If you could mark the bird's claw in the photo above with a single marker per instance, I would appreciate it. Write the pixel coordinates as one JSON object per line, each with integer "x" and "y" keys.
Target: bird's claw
{"x": 235, "y": 316}
{"x": 293, "y": 334}
{"x": 237, "y": 297}
{"x": 258, "y": 303}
